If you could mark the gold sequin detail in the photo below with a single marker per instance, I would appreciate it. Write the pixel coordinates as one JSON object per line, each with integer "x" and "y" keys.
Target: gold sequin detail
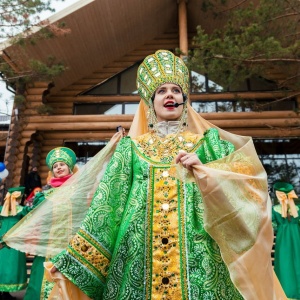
{"x": 90, "y": 253}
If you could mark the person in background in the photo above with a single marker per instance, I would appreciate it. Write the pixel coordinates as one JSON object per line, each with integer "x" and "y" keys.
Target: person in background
{"x": 30, "y": 198}
{"x": 61, "y": 163}
{"x": 32, "y": 180}
{"x": 286, "y": 224}
{"x": 13, "y": 270}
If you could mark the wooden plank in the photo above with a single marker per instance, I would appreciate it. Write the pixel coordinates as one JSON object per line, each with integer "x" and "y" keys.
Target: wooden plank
{"x": 79, "y": 135}
{"x": 36, "y": 91}
{"x": 277, "y": 115}
{"x": 243, "y": 95}
{"x": 78, "y": 126}
{"x": 80, "y": 118}
{"x": 193, "y": 97}
{"x": 266, "y": 133}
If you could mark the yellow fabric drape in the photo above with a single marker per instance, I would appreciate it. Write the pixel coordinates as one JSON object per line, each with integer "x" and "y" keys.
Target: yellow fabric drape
{"x": 238, "y": 217}
{"x": 63, "y": 289}
{"x": 47, "y": 230}
{"x": 10, "y": 204}
{"x": 287, "y": 200}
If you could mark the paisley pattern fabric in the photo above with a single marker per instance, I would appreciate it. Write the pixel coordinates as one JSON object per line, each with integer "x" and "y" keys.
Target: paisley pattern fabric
{"x": 143, "y": 236}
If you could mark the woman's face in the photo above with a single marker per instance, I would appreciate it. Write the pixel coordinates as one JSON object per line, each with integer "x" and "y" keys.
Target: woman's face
{"x": 60, "y": 169}
{"x": 164, "y": 98}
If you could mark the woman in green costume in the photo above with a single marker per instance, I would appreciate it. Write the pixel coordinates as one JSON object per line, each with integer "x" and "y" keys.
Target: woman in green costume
{"x": 61, "y": 162}
{"x": 146, "y": 234}
{"x": 13, "y": 270}
{"x": 286, "y": 223}
{"x": 180, "y": 213}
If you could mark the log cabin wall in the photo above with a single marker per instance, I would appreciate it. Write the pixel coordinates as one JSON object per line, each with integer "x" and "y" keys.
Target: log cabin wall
{"x": 32, "y": 136}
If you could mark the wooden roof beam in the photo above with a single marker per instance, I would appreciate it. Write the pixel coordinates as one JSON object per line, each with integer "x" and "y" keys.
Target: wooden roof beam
{"x": 194, "y": 97}
{"x": 183, "y": 31}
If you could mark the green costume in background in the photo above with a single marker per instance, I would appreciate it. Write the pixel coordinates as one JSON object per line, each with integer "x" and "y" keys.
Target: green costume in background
{"x": 287, "y": 246}
{"x": 143, "y": 236}
{"x": 38, "y": 287}
{"x": 13, "y": 270}
{"x": 33, "y": 290}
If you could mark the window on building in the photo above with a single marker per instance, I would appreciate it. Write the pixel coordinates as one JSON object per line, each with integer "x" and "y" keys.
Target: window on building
{"x": 244, "y": 105}
{"x": 105, "y": 108}
{"x": 123, "y": 83}
{"x": 85, "y": 150}
{"x": 281, "y": 160}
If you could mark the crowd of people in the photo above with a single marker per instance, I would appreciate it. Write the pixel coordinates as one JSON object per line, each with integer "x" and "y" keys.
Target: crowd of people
{"x": 175, "y": 209}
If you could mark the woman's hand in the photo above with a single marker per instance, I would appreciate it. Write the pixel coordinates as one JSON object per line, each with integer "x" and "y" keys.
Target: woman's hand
{"x": 188, "y": 160}
{"x": 53, "y": 270}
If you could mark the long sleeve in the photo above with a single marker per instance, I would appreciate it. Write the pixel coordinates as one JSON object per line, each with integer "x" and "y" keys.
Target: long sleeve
{"x": 213, "y": 148}
{"x": 90, "y": 251}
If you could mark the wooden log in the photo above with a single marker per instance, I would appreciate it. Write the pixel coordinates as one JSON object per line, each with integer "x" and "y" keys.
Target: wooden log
{"x": 23, "y": 141}
{"x": 20, "y": 156}
{"x": 68, "y": 97}
{"x": 129, "y": 118}
{"x": 38, "y": 84}
{"x": 95, "y": 99}
{"x": 90, "y": 81}
{"x": 34, "y": 98}
{"x": 77, "y": 87}
{"x": 270, "y": 123}
{"x": 266, "y": 133}
{"x": 79, "y": 135}
{"x": 62, "y": 104}
{"x": 30, "y": 112}
{"x": 183, "y": 31}
{"x": 56, "y": 111}
{"x": 63, "y": 111}
{"x": 32, "y": 105}
{"x": 27, "y": 133}
{"x": 80, "y": 118}
{"x": 78, "y": 126}
{"x": 250, "y": 115}
{"x": 244, "y": 95}
{"x": 36, "y": 91}
{"x": 18, "y": 164}
{"x": 112, "y": 125}
{"x": 66, "y": 93}
{"x": 53, "y": 143}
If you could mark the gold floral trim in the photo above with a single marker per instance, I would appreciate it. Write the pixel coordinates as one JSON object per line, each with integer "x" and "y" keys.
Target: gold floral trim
{"x": 166, "y": 261}
{"x": 93, "y": 257}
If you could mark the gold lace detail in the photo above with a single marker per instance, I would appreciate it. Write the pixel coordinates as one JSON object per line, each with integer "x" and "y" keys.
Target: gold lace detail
{"x": 164, "y": 150}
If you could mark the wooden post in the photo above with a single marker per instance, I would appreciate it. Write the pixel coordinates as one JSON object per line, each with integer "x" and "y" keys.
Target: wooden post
{"x": 183, "y": 32}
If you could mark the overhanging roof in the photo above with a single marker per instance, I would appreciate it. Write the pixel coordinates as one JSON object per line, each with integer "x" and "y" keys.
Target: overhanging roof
{"x": 102, "y": 31}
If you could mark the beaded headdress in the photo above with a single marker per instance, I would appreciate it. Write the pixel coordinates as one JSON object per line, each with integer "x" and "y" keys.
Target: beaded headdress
{"x": 63, "y": 154}
{"x": 159, "y": 68}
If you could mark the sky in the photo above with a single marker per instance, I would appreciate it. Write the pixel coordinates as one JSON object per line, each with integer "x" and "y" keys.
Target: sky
{"x": 6, "y": 97}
